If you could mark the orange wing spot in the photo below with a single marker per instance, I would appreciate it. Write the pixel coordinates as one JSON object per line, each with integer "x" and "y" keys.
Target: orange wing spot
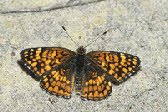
{"x": 34, "y": 64}
{"x": 99, "y": 79}
{"x": 107, "y": 58}
{"x": 99, "y": 88}
{"x": 57, "y": 61}
{"x": 120, "y": 78}
{"x": 50, "y": 89}
{"x": 111, "y": 72}
{"x": 38, "y": 73}
{"x": 115, "y": 58}
{"x": 61, "y": 78}
{"x": 63, "y": 85}
{"x": 57, "y": 78}
{"x": 53, "y": 54}
{"x": 64, "y": 79}
{"x": 103, "y": 63}
{"x": 90, "y": 95}
{"x": 108, "y": 88}
{"x": 31, "y": 53}
{"x": 116, "y": 69}
{"x": 134, "y": 62}
{"x": 87, "y": 83}
{"x": 25, "y": 55}
{"x": 109, "y": 83}
{"x": 25, "y": 52}
{"x": 51, "y": 79}
{"x": 105, "y": 92}
{"x": 45, "y": 53}
{"x": 94, "y": 82}
{"x": 96, "y": 94}
{"x": 111, "y": 58}
{"x": 101, "y": 57}
{"x": 123, "y": 74}
{"x": 53, "y": 72}
{"x": 123, "y": 57}
{"x": 128, "y": 63}
{"x": 47, "y": 62}
{"x": 102, "y": 77}
{"x": 134, "y": 59}
{"x": 38, "y": 57}
{"x": 58, "y": 83}
{"x": 91, "y": 81}
{"x": 34, "y": 59}
{"x": 61, "y": 92}
{"x": 38, "y": 52}
{"x": 98, "y": 83}
{"x": 115, "y": 75}
{"x": 44, "y": 77}
{"x": 120, "y": 66}
{"x": 133, "y": 66}
{"x": 43, "y": 59}
{"x": 53, "y": 83}
{"x": 48, "y": 68}
{"x": 129, "y": 60}
{"x": 68, "y": 89}
{"x": 67, "y": 82}
{"x": 56, "y": 89}
{"x": 35, "y": 69}
{"x": 31, "y": 56}
{"x": 90, "y": 88}
{"x": 95, "y": 88}
{"x": 129, "y": 68}
{"x": 66, "y": 94}
{"x": 85, "y": 90}
{"x": 29, "y": 62}
{"x": 125, "y": 70}
{"x": 101, "y": 95}
{"x": 112, "y": 66}
{"x": 103, "y": 86}
{"x": 85, "y": 96}
{"x": 116, "y": 64}
{"x": 42, "y": 70}
{"x": 49, "y": 53}
{"x": 62, "y": 72}
{"x": 122, "y": 63}
{"x": 46, "y": 84}
{"x": 56, "y": 75}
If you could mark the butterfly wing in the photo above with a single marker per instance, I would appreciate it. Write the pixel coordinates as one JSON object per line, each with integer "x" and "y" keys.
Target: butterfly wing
{"x": 60, "y": 80}
{"x": 118, "y": 65}
{"x": 96, "y": 84}
{"x": 54, "y": 66}
{"x": 40, "y": 60}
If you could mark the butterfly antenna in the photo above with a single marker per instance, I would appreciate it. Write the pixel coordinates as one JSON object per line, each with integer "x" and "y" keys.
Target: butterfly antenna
{"x": 96, "y": 39}
{"x": 69, "y": 36}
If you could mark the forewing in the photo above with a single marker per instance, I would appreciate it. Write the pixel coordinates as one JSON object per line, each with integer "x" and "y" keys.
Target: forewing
{"x": 96, "y": 84}
{"x": 40, "y": 60}
{"x": 59, "y": 81}
{"x": 118, "y": 65}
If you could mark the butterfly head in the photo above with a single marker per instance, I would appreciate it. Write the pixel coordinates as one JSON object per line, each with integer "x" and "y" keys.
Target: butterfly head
{"x": 81, "y": 50}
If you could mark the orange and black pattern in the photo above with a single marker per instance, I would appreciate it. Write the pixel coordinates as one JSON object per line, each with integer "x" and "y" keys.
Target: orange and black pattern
{"x": 118, "y": 65}
{"x": 92, "y": 74}
{"x": 40, "y": 60}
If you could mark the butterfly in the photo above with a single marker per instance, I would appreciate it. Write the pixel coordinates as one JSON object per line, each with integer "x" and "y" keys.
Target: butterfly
{"x": 92, "y": 74}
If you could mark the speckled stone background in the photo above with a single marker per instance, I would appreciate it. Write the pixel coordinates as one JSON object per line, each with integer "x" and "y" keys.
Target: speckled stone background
{"x": 138, "y": 27}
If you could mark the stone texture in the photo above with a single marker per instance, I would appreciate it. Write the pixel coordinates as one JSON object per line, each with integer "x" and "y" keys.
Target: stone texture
{"x": 138, "y": 27}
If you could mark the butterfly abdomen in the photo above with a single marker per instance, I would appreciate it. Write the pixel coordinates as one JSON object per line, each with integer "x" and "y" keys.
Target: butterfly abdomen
{"x": 79, "y": 68}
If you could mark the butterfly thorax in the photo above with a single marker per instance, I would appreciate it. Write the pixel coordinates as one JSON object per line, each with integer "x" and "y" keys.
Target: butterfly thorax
{"x": 80, "y": 59}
